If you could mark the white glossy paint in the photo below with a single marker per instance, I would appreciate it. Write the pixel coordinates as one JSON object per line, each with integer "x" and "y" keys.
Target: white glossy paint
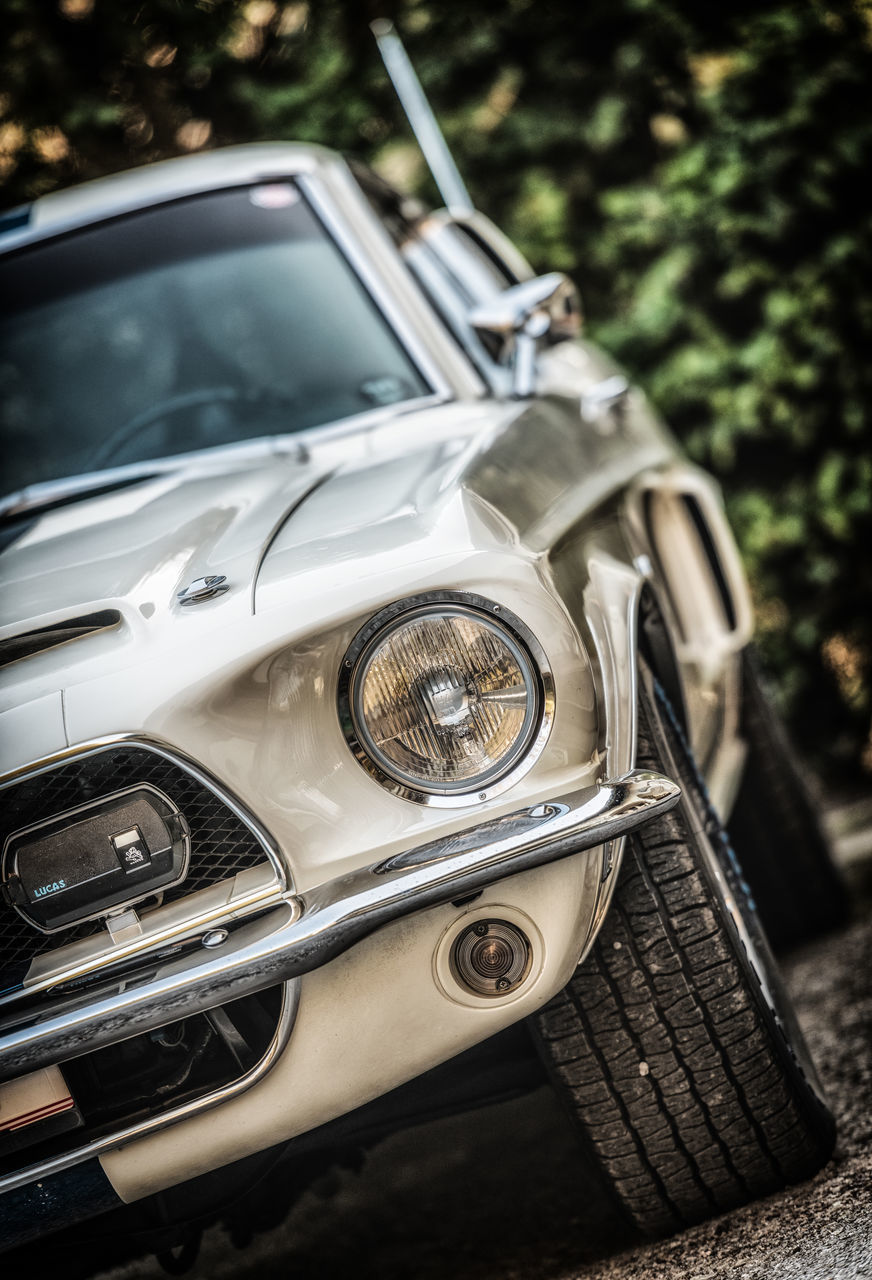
{"x": 246, "y": 684}
{"x": 30, "y": 730}
{"x": 368, "y": 1021}
{"x": 141, "y": 545}
{"x": 523, "y": 503}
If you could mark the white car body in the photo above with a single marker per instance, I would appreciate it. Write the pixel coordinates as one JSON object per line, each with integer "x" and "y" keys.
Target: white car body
{"x": 563, "y": 511}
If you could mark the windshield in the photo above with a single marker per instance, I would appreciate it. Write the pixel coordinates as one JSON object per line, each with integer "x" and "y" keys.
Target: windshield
{"x": 218, "y": 318}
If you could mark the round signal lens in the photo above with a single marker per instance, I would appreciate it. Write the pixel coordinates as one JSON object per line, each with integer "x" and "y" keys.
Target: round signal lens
{"x": 491, "y": 958}
{"x": 445, "y": 700}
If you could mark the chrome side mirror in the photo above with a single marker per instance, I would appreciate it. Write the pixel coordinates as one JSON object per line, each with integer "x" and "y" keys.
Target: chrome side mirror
{"x": 548, "y": 305}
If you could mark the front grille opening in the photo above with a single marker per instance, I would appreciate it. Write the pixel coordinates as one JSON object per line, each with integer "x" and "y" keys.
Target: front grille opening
{"x": 221, "y": 843}
{"x": 155, "y": 1072}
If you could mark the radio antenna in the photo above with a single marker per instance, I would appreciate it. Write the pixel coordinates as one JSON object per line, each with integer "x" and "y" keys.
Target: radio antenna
{"x": 420, "y": 115}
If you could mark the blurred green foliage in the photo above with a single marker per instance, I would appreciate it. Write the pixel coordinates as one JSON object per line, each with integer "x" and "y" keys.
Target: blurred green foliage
{"x": 700, "y": 169}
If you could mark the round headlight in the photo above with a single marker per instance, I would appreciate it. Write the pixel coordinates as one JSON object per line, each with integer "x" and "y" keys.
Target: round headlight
{"x": 444, "y": 698}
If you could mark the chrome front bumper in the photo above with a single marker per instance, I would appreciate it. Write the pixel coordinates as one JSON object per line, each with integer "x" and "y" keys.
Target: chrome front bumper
{"x": 301, "y": 932}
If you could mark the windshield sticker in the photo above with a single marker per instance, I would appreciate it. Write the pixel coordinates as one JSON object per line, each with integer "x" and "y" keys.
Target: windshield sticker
{"x": 274, "y": 195}
{"x": 386, "y": 389}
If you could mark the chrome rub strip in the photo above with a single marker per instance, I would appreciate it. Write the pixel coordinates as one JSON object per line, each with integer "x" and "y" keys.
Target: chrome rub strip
{"x": 306, "y": 930}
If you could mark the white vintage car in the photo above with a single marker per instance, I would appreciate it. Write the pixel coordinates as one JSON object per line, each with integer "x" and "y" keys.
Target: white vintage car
{"x": 375, "y": 678}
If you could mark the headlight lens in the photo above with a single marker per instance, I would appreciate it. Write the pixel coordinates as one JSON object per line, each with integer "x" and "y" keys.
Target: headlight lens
{"x": 445, "y": 699}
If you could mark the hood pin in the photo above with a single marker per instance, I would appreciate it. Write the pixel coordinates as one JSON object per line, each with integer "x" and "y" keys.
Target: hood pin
{"x": 204, "y": 589}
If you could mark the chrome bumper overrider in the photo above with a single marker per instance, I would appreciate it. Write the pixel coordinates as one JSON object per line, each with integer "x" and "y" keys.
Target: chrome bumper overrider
{"x": 303, "y": 931}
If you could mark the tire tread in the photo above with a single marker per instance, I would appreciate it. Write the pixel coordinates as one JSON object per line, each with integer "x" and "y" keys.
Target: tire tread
{"x": 676, "y": 1078}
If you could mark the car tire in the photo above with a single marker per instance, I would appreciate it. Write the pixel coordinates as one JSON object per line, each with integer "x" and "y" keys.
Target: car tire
{"x": 674, "y": 1045}
{"x": 776, "y": 831}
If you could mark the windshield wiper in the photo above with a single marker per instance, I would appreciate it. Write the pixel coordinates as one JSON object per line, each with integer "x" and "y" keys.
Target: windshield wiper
{"x": 39, "y": 498}
{"x": 263, "y": 399}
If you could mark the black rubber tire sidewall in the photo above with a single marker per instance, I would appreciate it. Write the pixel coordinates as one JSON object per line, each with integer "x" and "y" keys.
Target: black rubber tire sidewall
{"x": 776, "y": 830}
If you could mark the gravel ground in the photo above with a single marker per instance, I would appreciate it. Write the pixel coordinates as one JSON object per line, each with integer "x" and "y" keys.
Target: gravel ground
{"x": 504, "y": 1194}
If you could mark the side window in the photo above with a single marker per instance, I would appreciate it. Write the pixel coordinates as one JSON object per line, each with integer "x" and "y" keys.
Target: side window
{"x": 454, "y": 266}
{"x": 484, "y": 275}
{"x": 398, "y": 214}
{"x": 463, "y": 264}
{"x": 476, "y": 268}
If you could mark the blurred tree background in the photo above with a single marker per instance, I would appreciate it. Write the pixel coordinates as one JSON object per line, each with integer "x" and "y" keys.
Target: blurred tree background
{"x": 699, "y": 169}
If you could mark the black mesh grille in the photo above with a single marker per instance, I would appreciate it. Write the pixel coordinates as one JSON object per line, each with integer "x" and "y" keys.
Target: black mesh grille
{"x": 221, "y": 844}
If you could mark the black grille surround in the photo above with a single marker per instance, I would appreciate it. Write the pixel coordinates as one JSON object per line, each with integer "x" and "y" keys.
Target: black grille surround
{"x": 222, "y": 843}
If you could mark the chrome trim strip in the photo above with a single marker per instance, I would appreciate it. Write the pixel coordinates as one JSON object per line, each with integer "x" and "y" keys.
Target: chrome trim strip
{"x": 284, "y": 1027}
{"x": 311, "y": 928}
{"x": 148, "y": 943}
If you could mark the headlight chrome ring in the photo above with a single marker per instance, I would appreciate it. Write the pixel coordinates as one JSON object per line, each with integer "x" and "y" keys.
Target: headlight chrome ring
{"x": 446, "y": 699}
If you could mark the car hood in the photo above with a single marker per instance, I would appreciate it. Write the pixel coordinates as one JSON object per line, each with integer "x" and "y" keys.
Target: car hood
{"x": 94, "y": 640}
{"x": 137, "y": 547}
{"x": 357, "y": 505}
{"x": 145, "y": 542}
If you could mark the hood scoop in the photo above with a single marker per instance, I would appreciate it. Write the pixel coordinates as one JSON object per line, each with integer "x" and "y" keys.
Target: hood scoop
{"x": 27, "y": 643}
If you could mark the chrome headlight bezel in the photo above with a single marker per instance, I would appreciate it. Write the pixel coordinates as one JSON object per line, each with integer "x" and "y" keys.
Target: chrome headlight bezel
{"x": 518, "y": 638}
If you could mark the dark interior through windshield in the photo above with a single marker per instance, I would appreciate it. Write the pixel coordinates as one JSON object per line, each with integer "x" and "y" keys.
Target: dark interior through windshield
{"x": 214, "y": 319}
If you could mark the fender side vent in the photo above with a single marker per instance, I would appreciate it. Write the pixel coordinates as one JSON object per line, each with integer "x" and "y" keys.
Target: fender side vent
{"x": 13, "y": 648}
{"x": 701, "y": 525}
{"x": 678, "y": 535}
